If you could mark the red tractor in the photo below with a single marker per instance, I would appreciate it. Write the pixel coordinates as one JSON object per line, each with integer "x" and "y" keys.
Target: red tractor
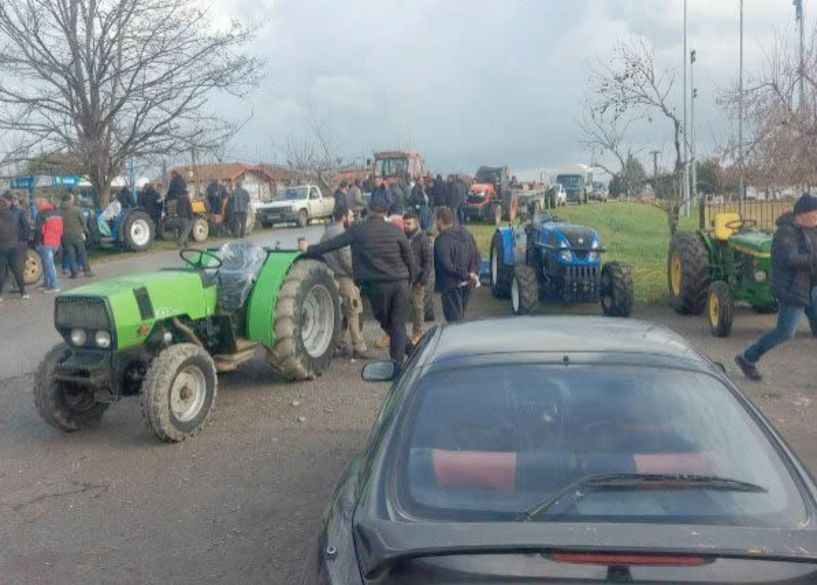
{"x": 491, "y": 198}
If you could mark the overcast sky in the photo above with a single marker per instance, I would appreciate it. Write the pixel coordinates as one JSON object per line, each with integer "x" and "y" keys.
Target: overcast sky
{"x": 471, "y": 82}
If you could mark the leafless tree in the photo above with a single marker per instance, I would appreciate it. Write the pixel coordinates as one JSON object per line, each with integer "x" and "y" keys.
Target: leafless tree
{"x": 315, "y": 157}
{"x": 627, "y": 88}
{"x": 112, "y": 80}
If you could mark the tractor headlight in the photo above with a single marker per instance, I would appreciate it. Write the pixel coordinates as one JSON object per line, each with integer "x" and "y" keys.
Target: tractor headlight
{"x": 594, "y": 256}
{"x": 78, "y": 337}
{"x": 760, "y": 276}
{"x": 102, "y": 339}
{"x": 566, "y": 256}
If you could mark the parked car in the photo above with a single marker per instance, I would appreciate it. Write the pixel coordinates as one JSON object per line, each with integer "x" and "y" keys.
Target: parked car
{"x": 567, "y": 450}
{"x": 301, "y": 204}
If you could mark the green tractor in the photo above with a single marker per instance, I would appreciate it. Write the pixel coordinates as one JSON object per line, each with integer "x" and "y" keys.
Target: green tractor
{"x": 165, "y": 336}
{"x": 711, "y": 270}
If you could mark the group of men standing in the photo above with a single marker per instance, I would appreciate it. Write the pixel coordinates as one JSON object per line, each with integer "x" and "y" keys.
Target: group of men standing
{"x": 392, "y": 268}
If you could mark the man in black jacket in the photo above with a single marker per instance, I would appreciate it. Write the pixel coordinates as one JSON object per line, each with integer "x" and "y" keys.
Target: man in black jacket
{"x": 176, "y": 187}
{"x": 794, "y": 266}
{"x": 456, "y": 261}
{"x": 74, "y": 233}
{"x": 148, "y": 200}
{"x": 10, "y": 249}
{"x": 384, "y": 268}
{"x": 421, "y": 247}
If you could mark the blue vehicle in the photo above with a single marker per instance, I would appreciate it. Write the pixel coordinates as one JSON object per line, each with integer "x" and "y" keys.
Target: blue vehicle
{"x": 551, "y": 260}
{"x": 131, "y": 229}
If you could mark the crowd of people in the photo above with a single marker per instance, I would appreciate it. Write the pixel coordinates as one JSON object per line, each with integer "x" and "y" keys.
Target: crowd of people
{"x": 388, "y": 259}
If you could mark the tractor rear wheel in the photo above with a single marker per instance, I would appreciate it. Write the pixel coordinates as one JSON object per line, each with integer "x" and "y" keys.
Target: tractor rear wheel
{"x": 178, "y": 392}
{"x": 137, "y": 232}
{"x": 687, "y": 274}
{"x": 33, "y": 271}
{"x": 307, "y": 321}
{"x": 201, "y": 230}
{"x": 720, "y": 309}
{"x": 524, "y": 290}
{"x": 65, "y": 406}
{"x": 616, "y": 290}
{"x": 501, "y": 273}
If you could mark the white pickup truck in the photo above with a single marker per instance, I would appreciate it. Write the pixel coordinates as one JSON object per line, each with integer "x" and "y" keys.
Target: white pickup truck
{"x": 300, "y": 204}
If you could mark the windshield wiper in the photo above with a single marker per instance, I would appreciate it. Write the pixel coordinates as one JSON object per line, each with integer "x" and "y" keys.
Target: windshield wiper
{"x": 638, "y": 481}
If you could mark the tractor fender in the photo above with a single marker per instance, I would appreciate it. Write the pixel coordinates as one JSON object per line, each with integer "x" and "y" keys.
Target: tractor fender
{"x": 506, "y": 235}
{"x": 520, "y": 246}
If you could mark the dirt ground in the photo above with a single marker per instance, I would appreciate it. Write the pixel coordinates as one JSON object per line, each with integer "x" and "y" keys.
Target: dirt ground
{"x": 241, "y": 502}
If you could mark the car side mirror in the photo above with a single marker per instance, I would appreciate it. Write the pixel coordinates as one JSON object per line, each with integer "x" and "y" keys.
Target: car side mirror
{"x": 379, "y": 372}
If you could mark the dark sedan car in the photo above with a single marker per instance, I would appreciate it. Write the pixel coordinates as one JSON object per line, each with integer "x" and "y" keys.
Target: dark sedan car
{"x": 567, "y": 450}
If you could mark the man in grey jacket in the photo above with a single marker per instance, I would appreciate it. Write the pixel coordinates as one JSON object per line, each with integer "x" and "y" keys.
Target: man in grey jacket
{"x": 240, "y": 209}
{"x": 340, "y": 262}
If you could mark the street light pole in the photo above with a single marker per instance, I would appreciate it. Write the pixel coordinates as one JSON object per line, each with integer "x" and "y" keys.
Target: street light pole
{"x": 798, "y": 6}
{"x": 741, "y": 183}
{"x": 692, "y": 158}
{"x": 686, "y": 137}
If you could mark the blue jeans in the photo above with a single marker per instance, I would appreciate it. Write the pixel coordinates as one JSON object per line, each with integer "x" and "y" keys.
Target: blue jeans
{"x": 49, "y": 270}
{"x": 788, "y": 321}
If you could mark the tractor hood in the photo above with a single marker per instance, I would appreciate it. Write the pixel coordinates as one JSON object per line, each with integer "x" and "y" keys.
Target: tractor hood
{"x": 753, "y": 243}
{"x": 578, "y": 237}
{"x": 133, "y": 304}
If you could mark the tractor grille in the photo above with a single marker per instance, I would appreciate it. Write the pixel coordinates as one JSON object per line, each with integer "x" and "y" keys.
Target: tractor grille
{"x": 581, "y": 284}
{"x": 81, "y": 313}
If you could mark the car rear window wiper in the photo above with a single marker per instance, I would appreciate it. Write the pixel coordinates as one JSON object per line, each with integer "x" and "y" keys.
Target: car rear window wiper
{"x": 637, "y": 481}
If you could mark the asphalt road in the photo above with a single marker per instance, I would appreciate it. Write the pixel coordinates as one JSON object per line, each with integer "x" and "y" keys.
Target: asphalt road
{"x": 241, "y": 502}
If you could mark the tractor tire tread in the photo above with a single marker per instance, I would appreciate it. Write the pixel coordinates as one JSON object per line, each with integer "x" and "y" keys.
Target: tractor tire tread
{"x": 694, "y": 273}
{"x": 621, "y": 282}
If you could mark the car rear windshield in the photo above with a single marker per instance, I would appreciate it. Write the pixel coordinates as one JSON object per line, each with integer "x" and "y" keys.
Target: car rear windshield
{"x": 293, "y": 193}
{"x": 494, "y": 442}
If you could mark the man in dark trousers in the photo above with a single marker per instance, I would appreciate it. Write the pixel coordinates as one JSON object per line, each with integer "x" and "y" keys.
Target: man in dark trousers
{"x": 454, "y": 197}
{"x": 184, "y": 214}
{"x": 794, "y": 281}
{"x": 456, "y": 261}
{"x": 149, "y": 201}
{"x": 384, "y": 268}
{"x": 74, "y": 233}
{"x": 438, "y": 192}
{"x": 10, "y": 249}
{"x": 421, "y": 246}
{"x": 176, "y": 187}
{"x": 240, "y": 206}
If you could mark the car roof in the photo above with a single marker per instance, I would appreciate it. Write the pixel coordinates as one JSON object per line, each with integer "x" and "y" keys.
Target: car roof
{"x": 562, "y": 335}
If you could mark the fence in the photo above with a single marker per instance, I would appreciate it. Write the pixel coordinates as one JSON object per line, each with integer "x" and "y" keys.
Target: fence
{"x": 763, "y": 213}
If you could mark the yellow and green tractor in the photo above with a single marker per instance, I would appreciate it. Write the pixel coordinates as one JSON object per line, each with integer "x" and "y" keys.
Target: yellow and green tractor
{"x": 711, "y": 270}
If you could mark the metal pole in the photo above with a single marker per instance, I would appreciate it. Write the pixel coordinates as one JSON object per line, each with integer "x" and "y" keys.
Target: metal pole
{"x": 692, "y": 157}
{"x": 741, "y": 183}
{"x": 798, "y": 5}
{"x": 685, "y": 98}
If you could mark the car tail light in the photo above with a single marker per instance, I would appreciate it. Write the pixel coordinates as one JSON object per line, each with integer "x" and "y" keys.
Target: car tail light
{"x": 627, "y": 559}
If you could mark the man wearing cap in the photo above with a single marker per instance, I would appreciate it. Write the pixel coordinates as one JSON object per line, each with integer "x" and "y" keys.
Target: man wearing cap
{"x": 384, "y": 268}
{"x": 794, "y": 268}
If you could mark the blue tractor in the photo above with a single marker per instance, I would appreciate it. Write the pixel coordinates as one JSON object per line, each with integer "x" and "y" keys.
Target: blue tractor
{"x": 550, "y": 260}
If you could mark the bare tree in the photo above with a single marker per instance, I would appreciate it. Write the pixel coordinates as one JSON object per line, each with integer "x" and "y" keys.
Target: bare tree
{"x": 630, "y": 87}
{"x": 314, "y": 158}
{"x": 112, "y": 80}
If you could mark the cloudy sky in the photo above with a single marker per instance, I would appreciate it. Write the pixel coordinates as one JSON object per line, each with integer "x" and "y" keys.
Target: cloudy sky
{"x": 470, "y": 82}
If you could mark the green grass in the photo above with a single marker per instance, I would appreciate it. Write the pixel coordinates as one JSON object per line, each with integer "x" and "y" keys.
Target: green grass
{"x": 633, "y": 233}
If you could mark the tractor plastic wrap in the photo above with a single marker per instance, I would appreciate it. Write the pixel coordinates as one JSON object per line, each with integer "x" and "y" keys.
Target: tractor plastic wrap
{"x": 243, "y": 262}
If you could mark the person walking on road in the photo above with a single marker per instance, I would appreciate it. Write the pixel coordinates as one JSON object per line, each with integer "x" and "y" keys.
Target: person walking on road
{"x": 456, "y": 261}
{"x": 340, "y": 262}
{"x": 74, "y": 232}
{"x": 794, "y": 281}
{"x": 240, "y": 210}
{"x": 10, "y": 249}
{"x": 421, "y": 246}
{"x": 184, "y": 215}
{"x": 48, "y": 237}
{"x": 354, "y": 199}
{"x": 384, "y": 268}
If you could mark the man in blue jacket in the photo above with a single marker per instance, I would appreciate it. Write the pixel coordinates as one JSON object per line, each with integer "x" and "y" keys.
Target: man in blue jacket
{"x": 794, "y": 272}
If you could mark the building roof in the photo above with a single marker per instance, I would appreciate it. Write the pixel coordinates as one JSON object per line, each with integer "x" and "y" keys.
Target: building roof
{"x": 230, "y": 171}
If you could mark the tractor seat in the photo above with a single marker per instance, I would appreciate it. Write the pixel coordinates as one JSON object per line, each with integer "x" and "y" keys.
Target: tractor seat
{"x": 722, "y": 220}
{"x": 242, "y": 262}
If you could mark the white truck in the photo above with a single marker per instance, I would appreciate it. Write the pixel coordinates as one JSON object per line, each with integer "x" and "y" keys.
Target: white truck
{"x": 577, "y": 181}
{"x": 300, "y": 204}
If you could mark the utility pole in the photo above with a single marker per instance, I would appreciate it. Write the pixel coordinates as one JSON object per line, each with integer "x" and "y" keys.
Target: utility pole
{"x": 693, "y": 160}
{"x": 741, "y": 182}
{"x": 798, "y": 17}
{"x": 685, "y": 190}
{"x": 655, "y": 154}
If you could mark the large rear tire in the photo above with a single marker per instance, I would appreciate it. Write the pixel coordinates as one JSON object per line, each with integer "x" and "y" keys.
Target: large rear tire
{"x": 137, "y": 232}
{"x": 67, "y": 407}
{"x": 524, "y": 290}
{"x": 201, "y": 230}
{"x": 501, "y": 273}
{"x": 720, "y": 309}
{"x": 687, "y": 274}
{"x": 307, "y": 322}
{"x": 178, "y": 392}
{"x": 616, "y": 290}
{"x": 33, "y": 271}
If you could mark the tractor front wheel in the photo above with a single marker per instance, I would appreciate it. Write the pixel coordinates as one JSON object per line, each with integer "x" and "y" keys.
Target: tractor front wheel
{"x": 719, "y": 309}
{"x": 201, "y": 230}
{"x": 687, "y": 274}
{"x": 178, "y": 392}
{"x": 307, "y": 321}
{"x": 65, "y": 406}
{"x": 524, "y": 290}
{"x": 616, "y": 290}
{"x": 33, "y": 271}
{"x": 501, "y": 273}
{"x": 137, "y": 234}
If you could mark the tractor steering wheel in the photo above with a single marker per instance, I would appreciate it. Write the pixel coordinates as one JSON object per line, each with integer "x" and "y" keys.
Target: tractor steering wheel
{"x": 740, "y": 224}
{"x": 198, "y": 264}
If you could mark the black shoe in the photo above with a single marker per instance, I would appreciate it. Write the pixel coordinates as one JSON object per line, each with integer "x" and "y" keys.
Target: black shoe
{"x": 748, "y": 368}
